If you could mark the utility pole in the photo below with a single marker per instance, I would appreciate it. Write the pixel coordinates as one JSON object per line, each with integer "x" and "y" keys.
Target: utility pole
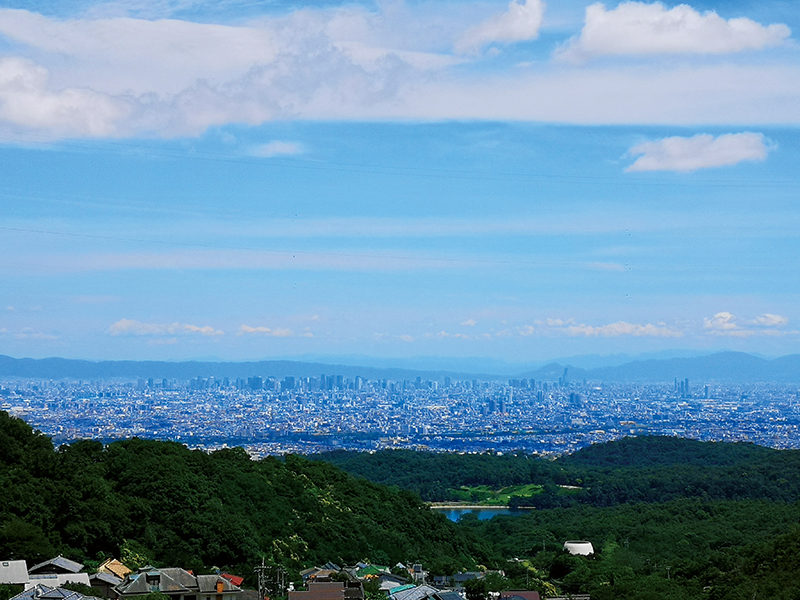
{"x": 271, "y": 581}
{"x": 261, "y": 572}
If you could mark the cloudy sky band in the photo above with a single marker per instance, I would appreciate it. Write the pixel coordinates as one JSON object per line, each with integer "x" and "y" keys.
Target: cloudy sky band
{"x": 122, "y": 76}
{"x": 425, "y": 177}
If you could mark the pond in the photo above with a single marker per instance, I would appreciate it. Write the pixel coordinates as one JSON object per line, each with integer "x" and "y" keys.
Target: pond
{"x": 483, "y": 512}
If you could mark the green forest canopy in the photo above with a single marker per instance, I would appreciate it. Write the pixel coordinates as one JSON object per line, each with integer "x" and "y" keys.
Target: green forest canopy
{"x": 668, "y": 518}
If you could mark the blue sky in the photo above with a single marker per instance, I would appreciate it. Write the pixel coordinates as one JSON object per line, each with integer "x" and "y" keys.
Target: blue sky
{"x": 456, "y": 179}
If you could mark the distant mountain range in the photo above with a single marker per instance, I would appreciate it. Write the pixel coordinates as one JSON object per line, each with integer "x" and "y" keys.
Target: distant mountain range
{"x": 63, "y": 368}
{"x": 722, "y": 367}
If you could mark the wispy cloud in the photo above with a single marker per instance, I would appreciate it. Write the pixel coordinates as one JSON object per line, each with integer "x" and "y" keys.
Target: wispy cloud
{"x": 133, "y": 327}
{"x": 444, "y": 335}
{"x": 95, "y": 299}
{"x": 163, "y": 341}
{"x": 770, "y": 320}
{"x": 266, "y": 331}
{"x": 31, "y": 334}
{"x": 519, "y": 23}
{"x": 702, "y": 151}
{"x": 469, "y": 323}
{"x": 640, "y": 28}
{"x": 278, "y": 148}
{"x": 333, "y": 260}
{"x": 622, "y": 328}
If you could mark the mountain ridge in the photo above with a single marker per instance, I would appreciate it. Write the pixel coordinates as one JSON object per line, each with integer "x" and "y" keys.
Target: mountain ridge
{"x": 733, "y": 367}
{"x": 730, "y": 367}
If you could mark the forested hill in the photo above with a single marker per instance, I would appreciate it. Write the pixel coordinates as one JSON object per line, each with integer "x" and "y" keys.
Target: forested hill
{"x": 648, "y": 451}
{"x": 168, "y": 505}
{"x": 435, "y": 475}
{"x": 641, "y": 469}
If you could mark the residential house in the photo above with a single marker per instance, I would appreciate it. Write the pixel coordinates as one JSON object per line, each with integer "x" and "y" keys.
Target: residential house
{"x": 333, "y": 590}
{"x": 234, "y": 579}
{"x": 317, "y": 574}
{"x": 115, "y": 568}
{"x": 104, "y": 582}
{"x": 419, "y": 592}
{"x": 388, "y": 581}
{"x": 56, "y": 572}
{"x": 177, "y": 583}
{"x": 45, "y": 592}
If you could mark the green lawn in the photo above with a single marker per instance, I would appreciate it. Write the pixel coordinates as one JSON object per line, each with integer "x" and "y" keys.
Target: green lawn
{"x": 483, "y": 494}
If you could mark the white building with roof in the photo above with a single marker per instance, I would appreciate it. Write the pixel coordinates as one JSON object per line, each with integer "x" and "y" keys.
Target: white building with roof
{"x": 579, "y": 547}
{"x": 13, "y": 572}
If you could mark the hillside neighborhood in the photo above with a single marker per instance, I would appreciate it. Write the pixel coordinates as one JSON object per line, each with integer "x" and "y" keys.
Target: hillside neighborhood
{"x": 63, "y": 579}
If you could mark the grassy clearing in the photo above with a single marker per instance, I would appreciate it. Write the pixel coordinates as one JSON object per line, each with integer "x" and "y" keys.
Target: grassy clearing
{"x": 486, "y": 496}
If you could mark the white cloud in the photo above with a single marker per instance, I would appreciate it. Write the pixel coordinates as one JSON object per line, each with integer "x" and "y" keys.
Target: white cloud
{"x": 278, "y": 148}
{"x": 770, "y": 320}
{"x": 682, "y": 94}
{"x": 133, "y": 327}
{"x": 124, "y": 55}
{"x": 457, "y": 336}
{"x": 519, "y": 23}
{"x": 721, "y": 321}
{"x": 126, "y": 76}
{"x": 639, "y": 28}
{"x": 118, "y": 77}
{"x": 261, "y": 330}
{"x": 702, "y": 151}
{"x": 621, "y": 328}
{"x": 527, "y": 330}
{"x": 469, "y": 323}
{"x": 407, "y": 338}
{"x": 726, "y": 324}
{"x": 26, "y": 100}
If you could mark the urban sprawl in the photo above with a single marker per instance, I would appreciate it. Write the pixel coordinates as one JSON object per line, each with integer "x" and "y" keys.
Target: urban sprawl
{"x": 267, "y": 415}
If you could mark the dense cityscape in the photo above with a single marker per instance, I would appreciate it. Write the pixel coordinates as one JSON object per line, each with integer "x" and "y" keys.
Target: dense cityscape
{"x": 307, "y": 415}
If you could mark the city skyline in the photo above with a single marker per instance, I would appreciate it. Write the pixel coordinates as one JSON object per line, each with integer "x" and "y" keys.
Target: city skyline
{"x": 518, "y": 181}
